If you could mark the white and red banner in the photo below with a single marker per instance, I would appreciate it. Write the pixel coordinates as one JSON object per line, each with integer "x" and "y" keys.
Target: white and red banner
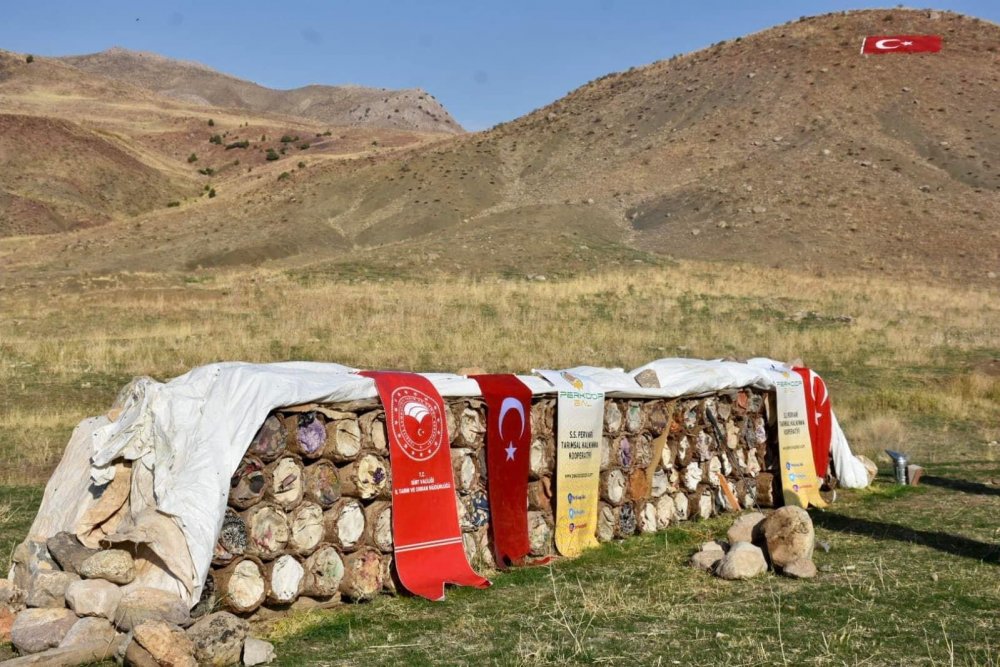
{"x": 901, "y": 44}
{"x": 819, "y": 417}
{"x": 427, "y": 540}
{"x": 508, "y": 449}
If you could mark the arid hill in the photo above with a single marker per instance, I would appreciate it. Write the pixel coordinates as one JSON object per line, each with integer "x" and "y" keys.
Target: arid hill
{"x": 784, "y": 148}
{"x": 411, "y": 109}
{"x": 82, "y": 150}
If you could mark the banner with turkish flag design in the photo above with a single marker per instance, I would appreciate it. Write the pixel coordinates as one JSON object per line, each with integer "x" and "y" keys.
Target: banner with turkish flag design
{"x": 427, "y": 540}
{"x": 901, "y": 44}
{"x": 508, "y": 447}
{"x": 820, "y": 422}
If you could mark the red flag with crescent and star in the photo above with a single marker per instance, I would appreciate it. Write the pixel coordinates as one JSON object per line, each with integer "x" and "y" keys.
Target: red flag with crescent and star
{"x": 508, "y": 445}
{"x": 820, "y": 420}
{"x": 901, "y": 44}
{"x": 427, "y": 540}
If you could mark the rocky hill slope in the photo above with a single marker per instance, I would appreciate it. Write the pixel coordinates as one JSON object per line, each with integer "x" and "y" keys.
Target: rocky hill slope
{"x": 784, "y": 148}
{"x": 412, "y": 109}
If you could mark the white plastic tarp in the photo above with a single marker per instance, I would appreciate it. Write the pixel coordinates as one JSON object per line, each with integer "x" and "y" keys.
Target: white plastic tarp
{"x": 184, "y": 439}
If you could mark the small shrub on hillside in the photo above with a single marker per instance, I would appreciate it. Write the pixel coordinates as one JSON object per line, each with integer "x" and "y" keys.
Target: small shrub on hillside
{"x": 327, "y": 133}
{"x": 302, "y": 165}
{"x": 238, "y": 144}
{"x": 211, "y": 193}
{"x": 173, "y": 204}
{"x": 30, "y": 59}
{"x": 211, "y": 123}
{"x": 207, "y": 171}
{"x": 287, "y": 138}
{"x": 272, "y": 154}
{"x": 304, "y": 146}
{"x": 215, "y": 139}
{"x": 284, "y": 176}
{"x": 192, "y": 158}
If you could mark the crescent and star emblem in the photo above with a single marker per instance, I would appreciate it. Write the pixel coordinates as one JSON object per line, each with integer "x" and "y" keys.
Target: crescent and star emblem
{"x": 883, "y": 44}
{"x": 506, "y": 406}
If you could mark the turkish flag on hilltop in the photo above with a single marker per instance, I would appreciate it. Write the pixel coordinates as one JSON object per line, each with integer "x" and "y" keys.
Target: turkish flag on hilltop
{"x": 901, "y": 44}
{"x": 508, "y": 448}
{"x": 820, "y": 420}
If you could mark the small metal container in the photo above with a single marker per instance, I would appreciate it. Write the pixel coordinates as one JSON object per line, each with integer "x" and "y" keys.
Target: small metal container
{"x": 899, "y": 466}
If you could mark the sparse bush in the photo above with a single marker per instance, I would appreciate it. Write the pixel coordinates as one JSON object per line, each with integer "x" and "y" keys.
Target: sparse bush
{"x": 284, "y": 176}
{"x": 207, "y": 171}
{"x": 211, "y": 193}
{"x": 173, "y": 204}
{"x": 375, "y": 143}
{"x": 272, "y": 155}
{"x": 30, "y": 59}
{"x": 263, "y": 137}
{"x": 287, "y": 138}
{"x": 215, "y": 139}
{"x": 327, "y": 133}
{"x": 192, "y": 158}
{"x": 211, "y": 123}
{"x": 302, "y": 165}
{"x": 304, "y": 146}
{"x": 238, "y": 144}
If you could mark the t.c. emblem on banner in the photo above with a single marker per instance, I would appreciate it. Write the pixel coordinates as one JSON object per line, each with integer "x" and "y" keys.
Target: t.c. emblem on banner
{"x": 427, "y": 540}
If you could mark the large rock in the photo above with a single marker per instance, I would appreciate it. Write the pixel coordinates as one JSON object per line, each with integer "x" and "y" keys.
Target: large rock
{"x": 871, "y": 468}
{"x": 143, "y": 604}
{"x": 114, "y": 565}
{"x": 742, "y": 561}
{"x": 11, "y": 596}
{"x": 39, "y": 629}
{"x": 137, "y": 656}
{"x": 48, "y": 588}
{"x": 88, "y": 630}
{"x": 706, "y": 560}
{"x": 257, "y": 652}
{"x": 94, "y": 597}
{"x": 746, "y": 528}
{"x": 168, "y": 644}
{"x": 66, "y": 550}
{"x": 789, "y": 535}
{"x": 800, "y": 569}
{"x": 218, "y": 639}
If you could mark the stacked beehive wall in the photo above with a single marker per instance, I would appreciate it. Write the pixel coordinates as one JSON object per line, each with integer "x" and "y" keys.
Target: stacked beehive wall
{"x": 310, "y": 510}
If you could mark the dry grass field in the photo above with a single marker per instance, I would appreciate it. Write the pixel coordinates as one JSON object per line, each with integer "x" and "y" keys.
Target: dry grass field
{"x": 907, "y": 364}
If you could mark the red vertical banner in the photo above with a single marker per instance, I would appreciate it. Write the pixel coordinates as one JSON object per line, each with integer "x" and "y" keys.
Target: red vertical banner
{"x": 427, "y": 540}
{"x": 819, "y": 418}
{"x": 508, "y": 448}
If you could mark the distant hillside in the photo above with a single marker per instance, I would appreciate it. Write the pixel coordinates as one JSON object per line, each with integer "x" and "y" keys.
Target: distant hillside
{"x": 783, "y": 148}
{"x": 411, "y": 109}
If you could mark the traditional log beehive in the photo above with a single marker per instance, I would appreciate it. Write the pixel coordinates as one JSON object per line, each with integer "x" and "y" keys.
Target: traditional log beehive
{"x": 310, "y": 512}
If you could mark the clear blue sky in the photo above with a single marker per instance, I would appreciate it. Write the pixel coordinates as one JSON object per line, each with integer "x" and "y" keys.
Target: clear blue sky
{"x": 486, "y": 61}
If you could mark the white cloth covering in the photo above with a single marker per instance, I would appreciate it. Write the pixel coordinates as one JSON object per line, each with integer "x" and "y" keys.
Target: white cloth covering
{"x": 186, "y": 437}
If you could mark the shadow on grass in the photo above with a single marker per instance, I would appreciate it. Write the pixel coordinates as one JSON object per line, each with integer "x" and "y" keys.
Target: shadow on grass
{"x": 879, "y": 530}
{"x": 962, "y": 485}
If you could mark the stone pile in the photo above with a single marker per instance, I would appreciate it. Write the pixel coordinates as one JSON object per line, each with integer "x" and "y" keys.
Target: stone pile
{"x": 309, "y": 521}
{"x": 78, "y": 607}
{"x": 784, "y": 540}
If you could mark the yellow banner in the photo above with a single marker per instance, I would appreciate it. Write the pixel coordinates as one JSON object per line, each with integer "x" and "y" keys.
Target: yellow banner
{"x": 580, "y": 418}
{"x": 799, "y": 483}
